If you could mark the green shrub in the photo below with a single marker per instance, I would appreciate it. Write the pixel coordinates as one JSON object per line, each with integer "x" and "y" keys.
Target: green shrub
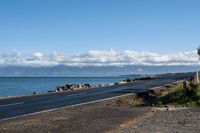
{"x": 190, "y": 98}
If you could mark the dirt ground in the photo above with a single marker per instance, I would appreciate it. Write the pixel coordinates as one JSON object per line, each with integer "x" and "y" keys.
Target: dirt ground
{"x": 175, "y": 121}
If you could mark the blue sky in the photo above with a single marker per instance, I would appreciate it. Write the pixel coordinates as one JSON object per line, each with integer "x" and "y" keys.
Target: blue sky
{"x": 78, "y": 26}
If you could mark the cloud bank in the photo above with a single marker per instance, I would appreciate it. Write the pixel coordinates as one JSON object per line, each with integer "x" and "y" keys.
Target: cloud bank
{"x": 98, "y": 58}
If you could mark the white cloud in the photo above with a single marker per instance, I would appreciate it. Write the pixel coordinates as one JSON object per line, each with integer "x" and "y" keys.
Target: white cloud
{"x": 14, "y": 57}
{"x": 57, "y": 57}
{"x": 99, "y": 58}
{"x": 38, "y": 56}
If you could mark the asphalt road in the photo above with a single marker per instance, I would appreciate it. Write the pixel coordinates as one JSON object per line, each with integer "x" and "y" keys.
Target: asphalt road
{"x": 20, "y": 106}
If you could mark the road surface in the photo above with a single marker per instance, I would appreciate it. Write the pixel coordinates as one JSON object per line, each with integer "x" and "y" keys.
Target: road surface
{"x": 21, "y": 106}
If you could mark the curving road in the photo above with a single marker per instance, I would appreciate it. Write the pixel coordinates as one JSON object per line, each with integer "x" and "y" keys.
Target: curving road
{"x": 21, "y": 106}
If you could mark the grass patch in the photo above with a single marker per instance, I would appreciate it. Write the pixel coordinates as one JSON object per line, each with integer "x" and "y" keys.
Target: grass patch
{"x": 191, "y": 97}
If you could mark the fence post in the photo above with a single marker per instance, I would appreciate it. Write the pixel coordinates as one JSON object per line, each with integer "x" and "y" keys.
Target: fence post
{"x": 196, "y": 77}
{"x": 185, "y": 85}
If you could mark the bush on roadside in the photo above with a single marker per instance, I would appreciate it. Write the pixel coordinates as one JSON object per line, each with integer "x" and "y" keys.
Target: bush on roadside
{"x": 191, "y": 97}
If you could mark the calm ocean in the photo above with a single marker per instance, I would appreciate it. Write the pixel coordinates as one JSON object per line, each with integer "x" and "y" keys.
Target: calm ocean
{"x": 24, "y": 86}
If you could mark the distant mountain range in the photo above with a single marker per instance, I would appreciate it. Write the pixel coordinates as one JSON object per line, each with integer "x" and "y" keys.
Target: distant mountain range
{"x": 90, "y": 71}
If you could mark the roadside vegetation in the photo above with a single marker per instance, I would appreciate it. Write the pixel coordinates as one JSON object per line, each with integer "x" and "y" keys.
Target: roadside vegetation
{"x": 188, "y": 97}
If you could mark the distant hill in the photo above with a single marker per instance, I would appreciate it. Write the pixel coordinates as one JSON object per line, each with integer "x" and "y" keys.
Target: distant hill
{"x": 90, "y": 71}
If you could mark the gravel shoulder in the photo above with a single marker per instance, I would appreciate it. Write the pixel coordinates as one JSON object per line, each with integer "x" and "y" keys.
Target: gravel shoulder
{"x": 167, "y": 121}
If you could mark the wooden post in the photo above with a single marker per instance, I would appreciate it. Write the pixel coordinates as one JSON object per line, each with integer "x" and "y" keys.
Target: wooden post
{"x": 196, "y": 77}
{"x": 185, "y": 85}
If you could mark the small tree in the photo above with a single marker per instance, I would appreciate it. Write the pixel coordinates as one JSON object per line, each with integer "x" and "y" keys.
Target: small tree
{"x": 198, "y": 52}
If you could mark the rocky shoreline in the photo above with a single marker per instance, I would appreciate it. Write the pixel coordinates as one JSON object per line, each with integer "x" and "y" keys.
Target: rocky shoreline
{"x": 73, "y": 87}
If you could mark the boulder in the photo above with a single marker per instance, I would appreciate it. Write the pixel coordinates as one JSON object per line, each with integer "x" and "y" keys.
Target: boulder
{"x": 61, "y": 89}
{"x": 87, "y": 85}
{"x": 35, "y": 93}
{"x": 128, "y": 80}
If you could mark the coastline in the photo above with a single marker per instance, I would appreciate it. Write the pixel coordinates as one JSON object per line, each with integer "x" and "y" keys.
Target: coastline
{"x": 100, "y": 86}
{"x": 118, "y": 114}
{"x": 110, "y": 112}
{"x": 119, "y": 83}
{"x": 49, "y": 93}
{"x": 22, "y": 86}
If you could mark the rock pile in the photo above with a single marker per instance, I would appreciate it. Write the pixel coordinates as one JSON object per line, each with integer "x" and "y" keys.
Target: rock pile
{"x": 71, "y": 87}
{"x": 146, "y": 78}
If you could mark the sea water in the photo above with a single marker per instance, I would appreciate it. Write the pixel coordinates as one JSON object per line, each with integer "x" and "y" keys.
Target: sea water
{"x": 17, "y": 86}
